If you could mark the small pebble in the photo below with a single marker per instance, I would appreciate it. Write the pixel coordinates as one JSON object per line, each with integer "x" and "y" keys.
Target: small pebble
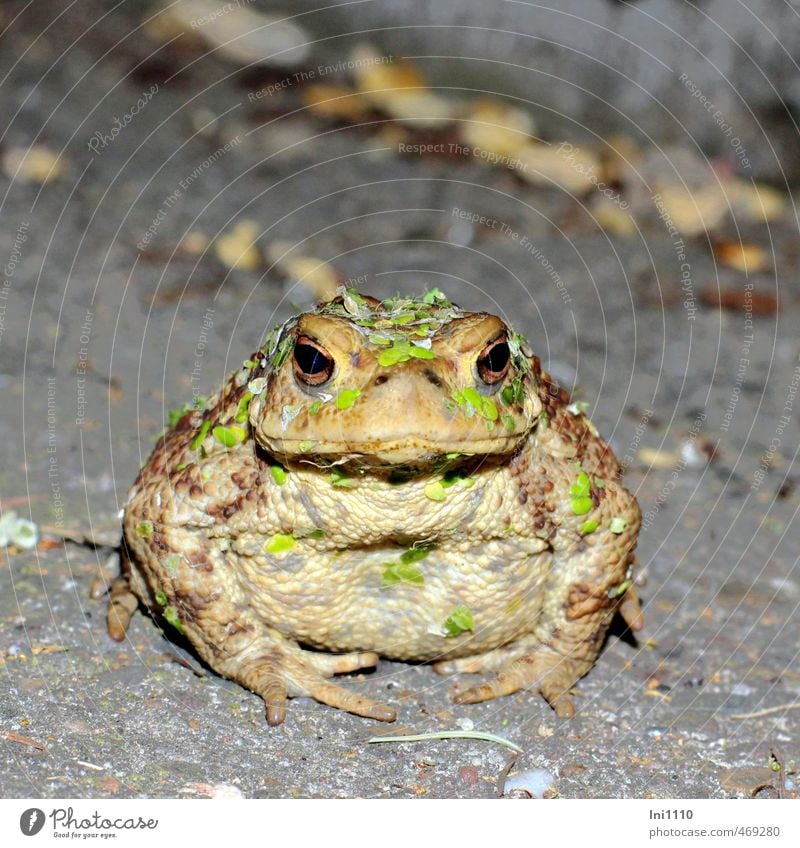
{"x": 212, "y": 790}
{"x": 698, "y": 452}
{"x": 533, "y": 781}
{"x": 18, "y": 531}
{"x": 466, "y": 724}
{"x": 469, "y": 774}
{"x": 656, "y": 732}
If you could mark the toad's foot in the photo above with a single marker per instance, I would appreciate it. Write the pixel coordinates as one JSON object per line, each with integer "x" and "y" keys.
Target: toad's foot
{"x": 240, "y": 647}
{"x": 290, "y": 672}
{"x": 122, "y": 605}
{"x": 631, "y": 610}
{"x": 551, "y": 674}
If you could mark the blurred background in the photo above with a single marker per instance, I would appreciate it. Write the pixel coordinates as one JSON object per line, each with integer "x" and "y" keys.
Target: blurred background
{"x": 617, "y": 179}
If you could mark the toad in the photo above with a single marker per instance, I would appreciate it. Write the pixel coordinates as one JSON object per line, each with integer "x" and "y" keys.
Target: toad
{"x": 396, "y": 479}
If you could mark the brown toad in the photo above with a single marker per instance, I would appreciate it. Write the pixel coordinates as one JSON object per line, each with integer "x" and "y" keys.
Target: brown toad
{"x": 396, "y": 479}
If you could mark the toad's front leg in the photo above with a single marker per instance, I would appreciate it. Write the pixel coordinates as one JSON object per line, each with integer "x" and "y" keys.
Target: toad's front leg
{"x": 588, "y": 583}
{"x": 232, "y": 640}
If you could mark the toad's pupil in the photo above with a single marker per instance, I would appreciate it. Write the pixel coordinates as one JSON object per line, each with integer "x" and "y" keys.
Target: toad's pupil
{"x": 310, "y": 359}
{"x": 497, "y": 358}
{"x": 494, "y": 362}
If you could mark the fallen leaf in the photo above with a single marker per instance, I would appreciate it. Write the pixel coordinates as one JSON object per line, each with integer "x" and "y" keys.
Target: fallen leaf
{"x": 743, "y": 257}
{"x": 399, "y": 89}
{"x": 393, "y": 135}
{"x": 491, "y": 125}
{"x": 572, "y": 769}
{"x": 336, "y": 101}
{"x": 37, "y": 164}
{"x": 693, "y": 211}
{"x": 38, "y": 648}
{"x": 754, "y": 201}
{"x": 611, "y": 217}
{"x": 619, "y": 157}
{"x": 758, "y": 302}
{"x": 237, "y": 248}
{"x": 658, "y": 458}
{"x": 319, "y": 277}
{"x": 234, "y": 31}
{"x": 572, "y": 168}
{"x": 194, "y": 242}
{"x": 109, "y": 785}
{"x": 655, "y": 693}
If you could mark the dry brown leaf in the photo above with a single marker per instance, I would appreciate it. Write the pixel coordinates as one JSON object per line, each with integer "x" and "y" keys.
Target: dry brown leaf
{"x": 237, "y": 32}
{"x": 658, "y": 458}
{"x": 377, "y": 73}
{"x": 758, "y": 302}
{"x": 754, "y": 201}
{"x": 319, "y": 277}
{"x": 109, "y": 785}
{"x": 693, "y": 211}
{"x": 393, "y": 135}
{"x": 37, "y": 164}
{"x": 618, "y": 159}
{"x": 237, "y": 249}
{"x": 612, "y": 218}
{"x": 743, "y": 257}
{"x": 336, "y": 101}
{"x": 38, "y": 648}
{"x": 400, "y": 90}
{"x": 654, "y": 693}
{"x": 194, "y": 242}
{"x": 574, "y": 169}
{"x": 491, "y": 125}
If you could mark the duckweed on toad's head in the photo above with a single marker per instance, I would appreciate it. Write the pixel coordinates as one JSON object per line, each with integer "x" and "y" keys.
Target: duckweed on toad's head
{"x": 398, "y": 382}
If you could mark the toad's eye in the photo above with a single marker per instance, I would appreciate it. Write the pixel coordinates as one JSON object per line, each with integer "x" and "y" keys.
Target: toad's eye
{"x": 494, "y": 361}
{"x": 313, "y": 365}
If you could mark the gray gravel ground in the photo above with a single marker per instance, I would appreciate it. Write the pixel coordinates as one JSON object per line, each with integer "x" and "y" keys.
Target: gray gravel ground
{"x": 658, "y": 719}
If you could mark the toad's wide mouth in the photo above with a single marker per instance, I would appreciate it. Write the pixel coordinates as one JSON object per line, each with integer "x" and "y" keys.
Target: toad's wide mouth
{"x": 402, "y": 450}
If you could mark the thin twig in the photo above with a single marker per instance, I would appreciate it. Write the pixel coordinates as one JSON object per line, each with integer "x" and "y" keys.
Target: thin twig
{"x": 22, "y": 740}
{"x": 503, "y": 776}
{"x": 448, "y": 734}
{"x": 768, "y": 711}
